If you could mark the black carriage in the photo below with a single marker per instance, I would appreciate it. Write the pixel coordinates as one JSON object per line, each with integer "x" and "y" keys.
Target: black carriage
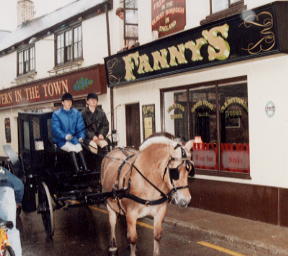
{"x": 48, "y": 173}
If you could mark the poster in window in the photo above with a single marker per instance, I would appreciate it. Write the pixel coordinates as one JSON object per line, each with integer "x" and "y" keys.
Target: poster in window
{"x": 7, "y": 130}
{"x": 148, "y": 116}
{"x": 168, "y": 16}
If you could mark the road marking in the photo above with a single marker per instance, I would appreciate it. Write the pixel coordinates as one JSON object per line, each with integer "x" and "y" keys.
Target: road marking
{"x": 140, "y": 223}
{"x": 220, "y": 249}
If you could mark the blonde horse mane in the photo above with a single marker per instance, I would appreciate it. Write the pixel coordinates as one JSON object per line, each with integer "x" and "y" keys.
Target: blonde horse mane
{"x": 157, "y": 140}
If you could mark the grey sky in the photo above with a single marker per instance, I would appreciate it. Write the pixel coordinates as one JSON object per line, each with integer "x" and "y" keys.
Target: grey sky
{"x": 8, "y": 10}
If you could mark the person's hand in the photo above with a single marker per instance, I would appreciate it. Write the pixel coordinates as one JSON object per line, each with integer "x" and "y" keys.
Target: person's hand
{"x": 101, "y": 137}
{"x": 68, "y": 137}
{"x": 95, "y": 139}
{"x": 81, "y": 140}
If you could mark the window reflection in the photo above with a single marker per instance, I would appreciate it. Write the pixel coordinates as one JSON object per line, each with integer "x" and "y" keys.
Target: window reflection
{"x": 216, "y": 117}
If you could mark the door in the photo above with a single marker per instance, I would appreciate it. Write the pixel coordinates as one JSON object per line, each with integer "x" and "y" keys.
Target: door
{"x": 132, "y": 112}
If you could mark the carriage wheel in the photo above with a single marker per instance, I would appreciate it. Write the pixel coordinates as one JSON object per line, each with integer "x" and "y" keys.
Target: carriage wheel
{"x": 8, "y": 251}
{"x": 46, "y": 209}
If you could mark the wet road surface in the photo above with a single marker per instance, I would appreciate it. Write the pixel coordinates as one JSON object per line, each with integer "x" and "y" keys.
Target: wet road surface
{"x": 85, "y": 231}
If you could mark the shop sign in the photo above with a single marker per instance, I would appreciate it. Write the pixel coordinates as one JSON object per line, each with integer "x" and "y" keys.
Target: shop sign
{"x": 77, "y": 83}
{"x": 168, "y": 16}
{"x": 148, "y": 117}
{"x": 234, "y": 100}
{"x": 202, "y": 103}
{"x": 174, "y": 107}
{"x": 257, "y": 33}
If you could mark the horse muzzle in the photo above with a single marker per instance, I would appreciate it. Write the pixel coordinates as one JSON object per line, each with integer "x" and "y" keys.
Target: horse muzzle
{"x": 180, "y": 202}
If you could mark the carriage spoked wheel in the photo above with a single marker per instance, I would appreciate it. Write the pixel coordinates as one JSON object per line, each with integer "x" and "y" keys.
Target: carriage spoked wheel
{"x": 45, "y": 208}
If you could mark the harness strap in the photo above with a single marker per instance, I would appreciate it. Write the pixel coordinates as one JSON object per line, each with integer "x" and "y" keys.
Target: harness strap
{"x": 154, "y": 186}
{"x": 123, "y": 193}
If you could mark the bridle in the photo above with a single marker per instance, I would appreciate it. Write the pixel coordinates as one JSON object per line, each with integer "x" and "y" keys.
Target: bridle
{"x": 174, "y": 174}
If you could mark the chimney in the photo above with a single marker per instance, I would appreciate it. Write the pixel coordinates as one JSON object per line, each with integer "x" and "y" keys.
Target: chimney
{"x": 25, "y": 11}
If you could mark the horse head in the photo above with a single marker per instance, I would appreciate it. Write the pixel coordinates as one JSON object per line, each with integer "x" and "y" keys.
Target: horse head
{"x": 174, "y": 166}
{"x": 179, "y": 168}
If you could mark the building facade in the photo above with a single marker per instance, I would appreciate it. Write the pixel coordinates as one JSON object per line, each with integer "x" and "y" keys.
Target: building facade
{"x": 221, "y": 81}
{"x": 212, "y": 71}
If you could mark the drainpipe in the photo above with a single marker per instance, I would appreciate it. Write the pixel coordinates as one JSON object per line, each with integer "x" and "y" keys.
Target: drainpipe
{"x": 109, "y": 54}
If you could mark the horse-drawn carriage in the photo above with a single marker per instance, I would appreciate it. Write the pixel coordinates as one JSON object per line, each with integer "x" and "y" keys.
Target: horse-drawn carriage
{"x": 48, "y": 173}
{"x": 130, "y": 182}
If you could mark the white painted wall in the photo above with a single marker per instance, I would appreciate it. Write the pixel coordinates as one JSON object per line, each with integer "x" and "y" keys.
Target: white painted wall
{"x": 44, "y": 53}
{"x": 8, "y": 70}
{"x": 94, "y": 40}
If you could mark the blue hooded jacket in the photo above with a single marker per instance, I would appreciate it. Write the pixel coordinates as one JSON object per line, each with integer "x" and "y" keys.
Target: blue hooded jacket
{"x": 66, "y": 122}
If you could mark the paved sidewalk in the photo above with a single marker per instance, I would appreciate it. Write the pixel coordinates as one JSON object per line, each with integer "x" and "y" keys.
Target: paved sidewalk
{"x": 267, "y": 238}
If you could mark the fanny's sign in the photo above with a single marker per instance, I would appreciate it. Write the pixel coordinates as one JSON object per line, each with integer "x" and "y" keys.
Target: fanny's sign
{"x": 77, "y": 83}
{"x": 256, "y": 33}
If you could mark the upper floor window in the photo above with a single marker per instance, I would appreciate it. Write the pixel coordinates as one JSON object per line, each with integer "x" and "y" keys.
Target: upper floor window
{"x": 219, "y": 5}
{"x": 26, "y": 60}
{"x": 69, "y": 45}
{"x": 220, "y": 9}
{"x": 130, "y": 22}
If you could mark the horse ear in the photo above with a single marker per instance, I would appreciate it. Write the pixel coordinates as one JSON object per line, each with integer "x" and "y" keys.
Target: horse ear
{"x": 189, "y": 145}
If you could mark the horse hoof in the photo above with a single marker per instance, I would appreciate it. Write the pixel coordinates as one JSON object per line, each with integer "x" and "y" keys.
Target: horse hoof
{"x": 113, "y": 251}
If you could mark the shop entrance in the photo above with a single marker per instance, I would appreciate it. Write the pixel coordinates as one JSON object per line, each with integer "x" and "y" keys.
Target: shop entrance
{"x": 132, "y": 113}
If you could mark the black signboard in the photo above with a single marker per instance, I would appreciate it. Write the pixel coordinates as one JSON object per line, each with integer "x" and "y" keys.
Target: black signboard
{"x": 254, "y": 33}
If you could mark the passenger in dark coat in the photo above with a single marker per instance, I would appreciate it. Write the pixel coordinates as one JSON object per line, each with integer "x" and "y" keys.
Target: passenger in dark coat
{"x": 95, "y": 119}
{"x": 97, "y": 129}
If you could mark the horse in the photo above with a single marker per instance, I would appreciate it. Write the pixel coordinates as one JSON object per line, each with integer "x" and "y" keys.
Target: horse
{"x": 143, "y": 182}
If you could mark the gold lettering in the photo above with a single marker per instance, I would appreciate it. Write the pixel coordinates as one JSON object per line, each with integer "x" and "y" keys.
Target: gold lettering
{"x": 131, "y": 60}
{"x": 45, "y": 89}
{"x": 32, "y": 93}
{"x": 160, "y": 58}
{"x": 144, "y": 65}
{"x": 6, "y": 98}
{"x": 18, "y": 95}
{"x": 177, "y": 53}
{"x": 57, "y": 88}
{"x": 195, "y": 48}
{"x": 219, "y": 48}
{"x": 64, "y": 85}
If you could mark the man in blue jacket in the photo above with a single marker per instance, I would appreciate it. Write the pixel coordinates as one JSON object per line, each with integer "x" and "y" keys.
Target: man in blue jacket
{"x": 68, "y": 130}
{"x": 11, "y": 193}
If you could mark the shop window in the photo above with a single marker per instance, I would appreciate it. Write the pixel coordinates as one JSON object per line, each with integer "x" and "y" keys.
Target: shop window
{"x": 215, "y": 115}
{"x": 130, "y": 23}
{"x": 26, "y": 60}
{"x": 220, "y": 9}
{"x": 7, "y": 130}
{"x": 68, "y": 45}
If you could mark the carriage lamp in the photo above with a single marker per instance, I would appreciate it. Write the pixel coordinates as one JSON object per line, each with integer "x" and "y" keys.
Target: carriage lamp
{"x": 114, "y": 138}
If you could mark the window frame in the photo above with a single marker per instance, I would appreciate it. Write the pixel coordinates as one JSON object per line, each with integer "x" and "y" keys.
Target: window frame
{"x": 31, "y": 61}
{"x": 233, "y": 8}
{"x": 127, "y": 38}
{"x": 66, "y": 47}
{"x": 216, "y": 83}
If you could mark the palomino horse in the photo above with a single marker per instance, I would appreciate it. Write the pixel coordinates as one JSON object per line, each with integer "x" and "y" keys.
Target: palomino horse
{"x": 143, "y": 182}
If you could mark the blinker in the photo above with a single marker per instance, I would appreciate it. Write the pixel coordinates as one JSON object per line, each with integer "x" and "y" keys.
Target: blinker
{"x": 174, "y": 173}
